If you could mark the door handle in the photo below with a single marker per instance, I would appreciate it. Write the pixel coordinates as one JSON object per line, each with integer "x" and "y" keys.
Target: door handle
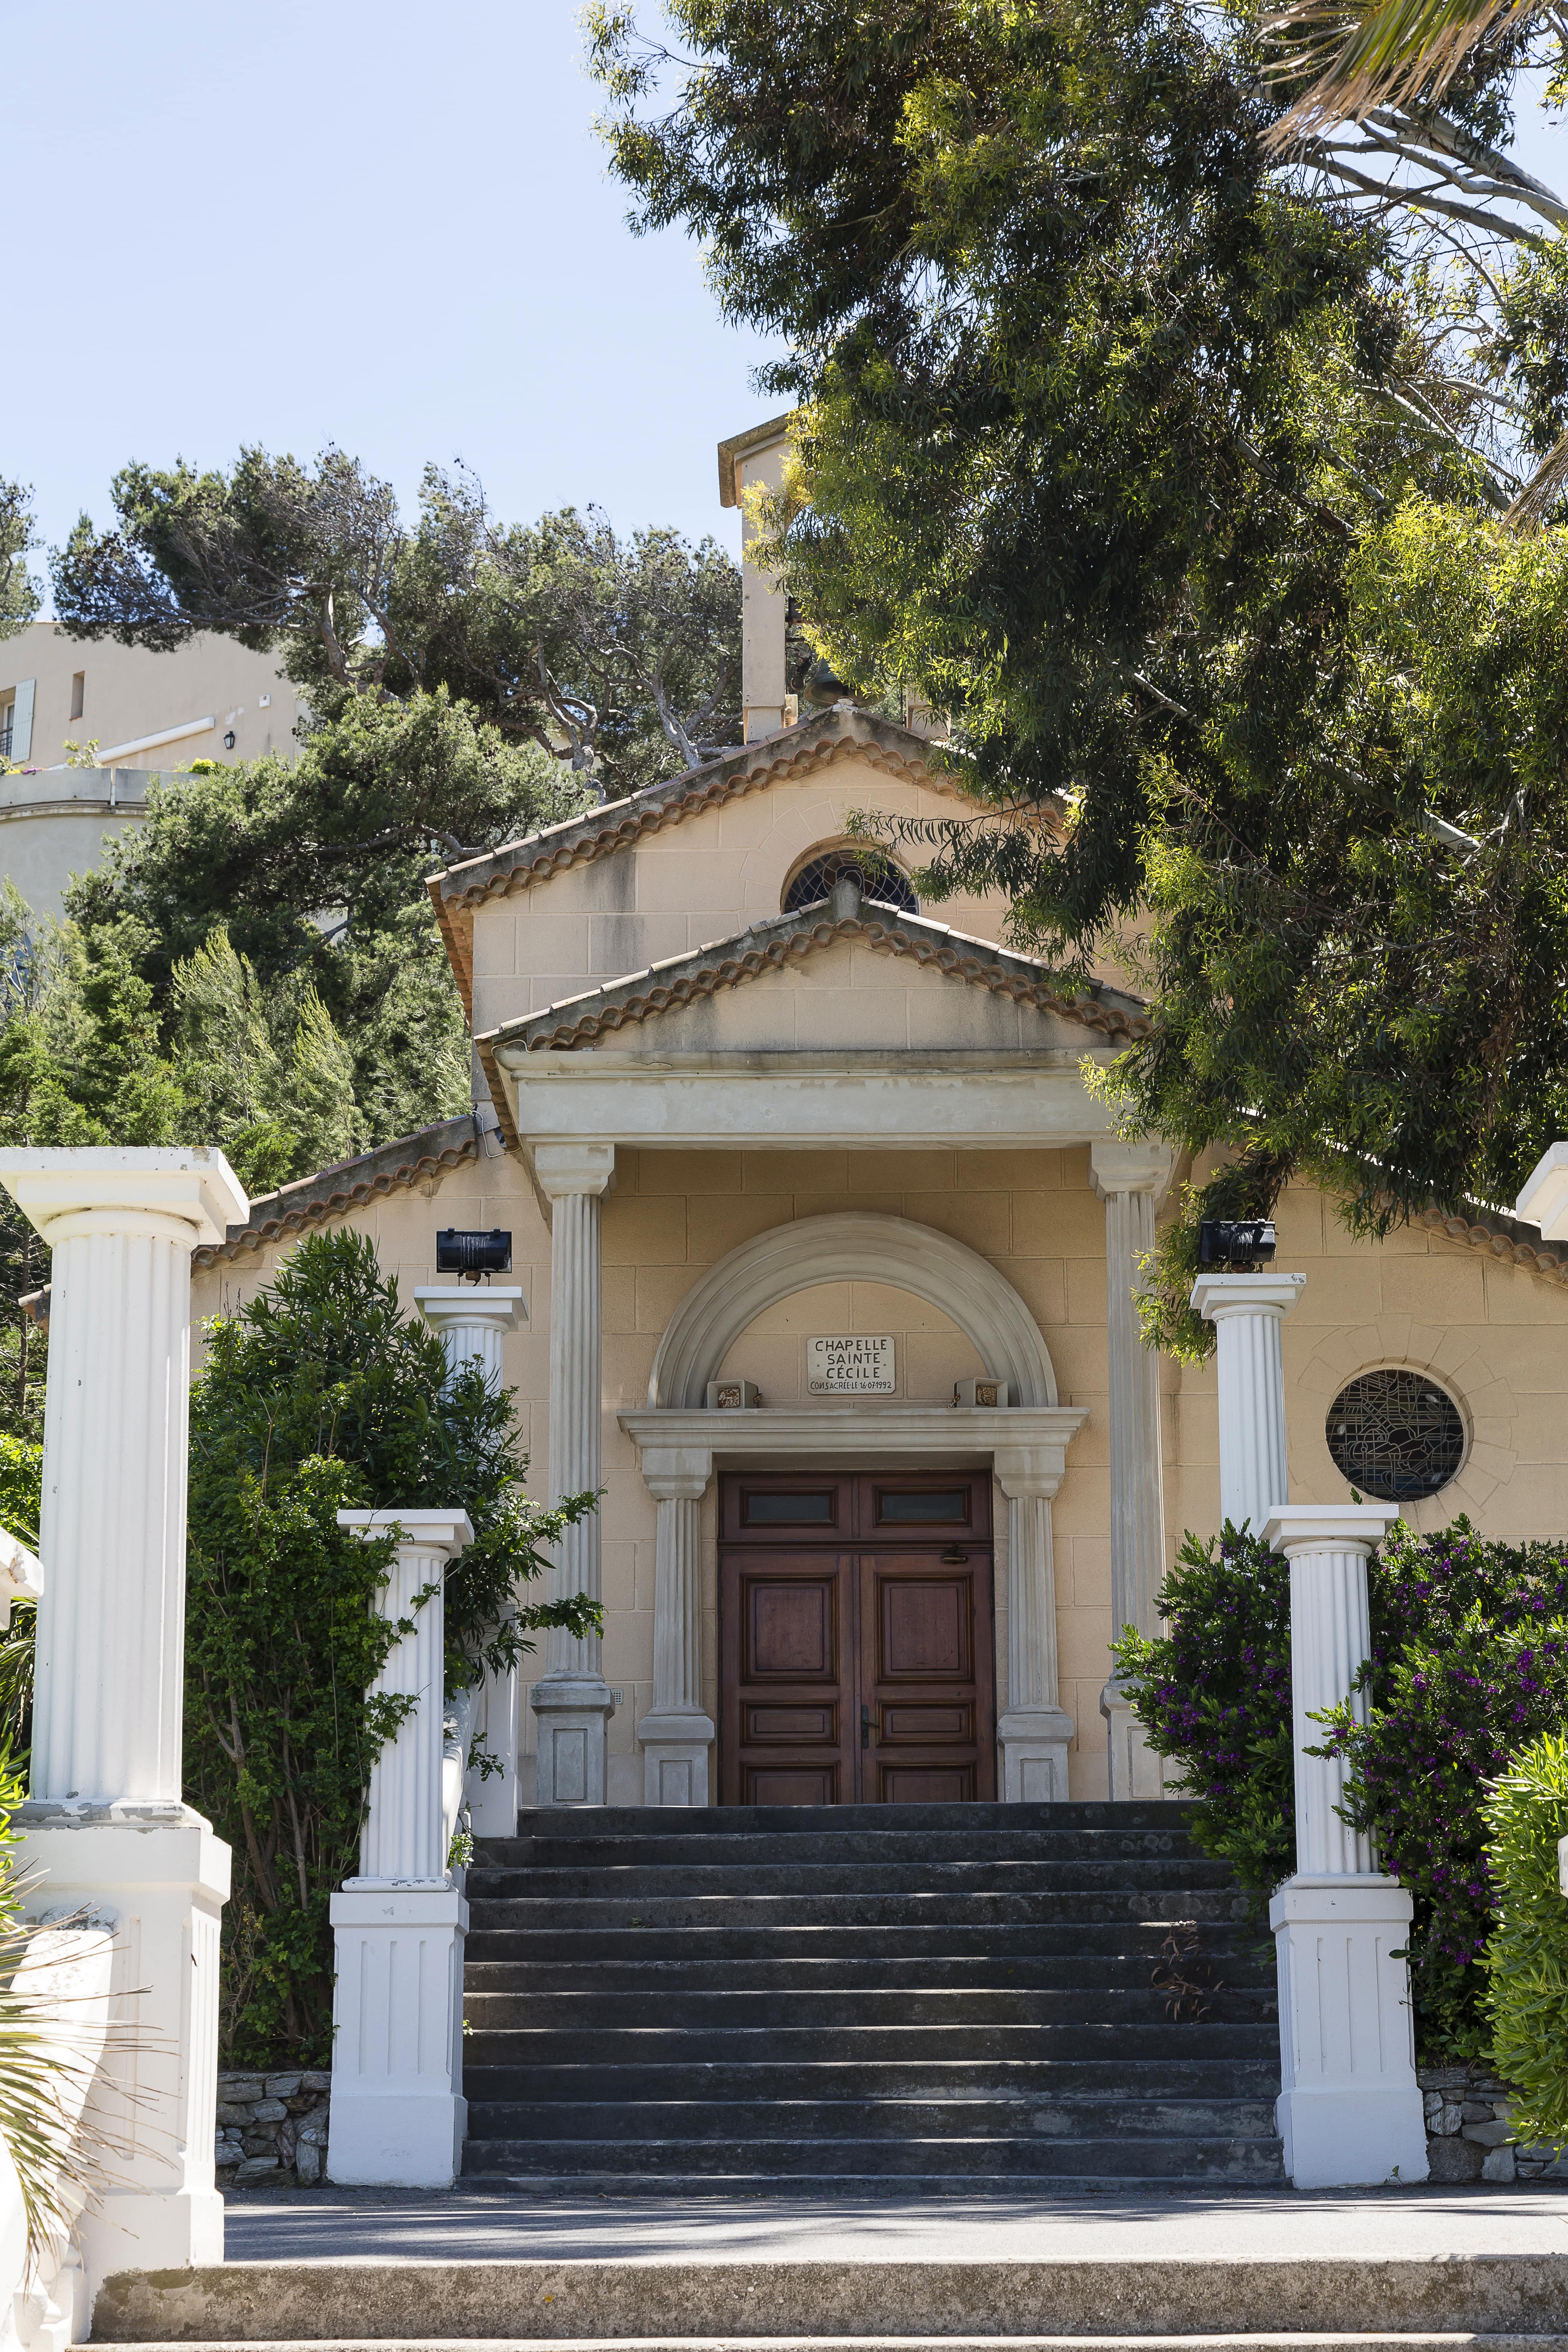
{"x": 953, "y": 1554}
{"x": 868, "y": 1725}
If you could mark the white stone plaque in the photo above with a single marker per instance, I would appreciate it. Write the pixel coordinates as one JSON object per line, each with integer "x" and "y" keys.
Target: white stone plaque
{"x": 852, "y": 1365}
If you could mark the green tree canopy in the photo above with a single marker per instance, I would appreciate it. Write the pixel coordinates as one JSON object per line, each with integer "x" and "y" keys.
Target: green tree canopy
{"x": 1190, "y": 486}
{"x": 618, "y": 656}
{"x": 18, "y": 595}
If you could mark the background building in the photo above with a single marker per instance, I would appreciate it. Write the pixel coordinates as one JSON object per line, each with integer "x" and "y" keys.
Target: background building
{"x": 146, "y": 712}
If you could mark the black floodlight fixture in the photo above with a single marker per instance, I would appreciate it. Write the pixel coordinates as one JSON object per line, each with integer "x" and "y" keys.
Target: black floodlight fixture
{"x": 469, "y": 1255}
{"x": 1241, "y": 1244}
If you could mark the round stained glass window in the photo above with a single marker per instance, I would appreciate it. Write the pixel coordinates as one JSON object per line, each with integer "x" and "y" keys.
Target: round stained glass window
{"x": 1395, "y": 1435}
{"x": 880, "y": 878}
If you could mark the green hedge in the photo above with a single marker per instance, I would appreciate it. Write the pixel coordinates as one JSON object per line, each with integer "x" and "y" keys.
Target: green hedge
{"x": 1527, "y": 1958}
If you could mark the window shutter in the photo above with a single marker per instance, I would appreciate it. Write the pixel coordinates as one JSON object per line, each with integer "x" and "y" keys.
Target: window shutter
{"x": 22, "y": 721}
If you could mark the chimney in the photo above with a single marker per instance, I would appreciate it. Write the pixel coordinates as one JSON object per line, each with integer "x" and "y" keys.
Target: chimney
{"x": 758, "y": 456}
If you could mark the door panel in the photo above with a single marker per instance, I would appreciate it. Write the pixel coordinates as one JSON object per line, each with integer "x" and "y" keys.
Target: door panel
{"x": 856, "y": 1639}
{"x": 787, "y": 1652}
{"x": 926, "y": 1670}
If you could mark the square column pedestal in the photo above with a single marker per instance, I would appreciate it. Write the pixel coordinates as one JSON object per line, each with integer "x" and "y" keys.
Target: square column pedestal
{"x": 399, "y": 2117}
{"x": 1350, "y": 2112}
{"x": 159, "y": 1878}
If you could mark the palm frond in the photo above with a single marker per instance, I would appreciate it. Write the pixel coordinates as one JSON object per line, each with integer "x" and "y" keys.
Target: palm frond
{"x": 1374, "y": 53}
{"x": 1541, "y": 492}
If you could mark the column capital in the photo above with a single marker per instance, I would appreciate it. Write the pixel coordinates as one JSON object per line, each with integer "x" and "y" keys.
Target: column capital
{"x": 677, "y": 1471}
{"x": 1130, "y": 1168}
{"x": 1544, "y": 1200}
{"x": 446, "y": 1531}
{"x": 1217, "y": 1297}
{"x": 562, "y": 1169}
{"x": 472, "y": 1303}
{"x": 188, "y": 1194}
{"x": 1027, "y": 1472}
{"x": 1300, "y": 1528}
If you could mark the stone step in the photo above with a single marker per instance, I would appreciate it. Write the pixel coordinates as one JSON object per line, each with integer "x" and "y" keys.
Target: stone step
{"x": 1118, "y": 2301}
{"x": 1133, "y": 2045}
{"x": 1230, "y": 1945}
{"x": 1025, "y": 2079}
{"x": 1073, "y": 1875}
{"x": 665, "y": 1977}
{"x": 1169, "y": 1816}
{"x": 815, "y": 2008}
{"x": 791, "y": 2341}
{"x": 925, "y": 1911}
{"x": 599, "y": 1851}
{"x": 942, "y": 2156}
{"x": 527, "y": 2122}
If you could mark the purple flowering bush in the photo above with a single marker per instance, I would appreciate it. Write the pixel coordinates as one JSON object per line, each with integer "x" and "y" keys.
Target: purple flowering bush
{"x": 1212, "y": 1692}
{"x": 1468, "y": 1664}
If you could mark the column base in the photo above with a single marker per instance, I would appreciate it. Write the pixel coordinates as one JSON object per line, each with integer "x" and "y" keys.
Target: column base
{"x": 574, "y": 1712}
{"x": 158, "y": 1876}
{"x": 675, "y": 1742}
{"x": 399, "y": 2117}
{"x": 1136, "y": 1773}
{"x": 1350, "y": 2112}
{"x": 1032, "y": 1745}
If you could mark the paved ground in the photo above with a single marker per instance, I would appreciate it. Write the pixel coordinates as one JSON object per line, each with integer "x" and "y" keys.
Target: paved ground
{"x": 333, "y": 2225}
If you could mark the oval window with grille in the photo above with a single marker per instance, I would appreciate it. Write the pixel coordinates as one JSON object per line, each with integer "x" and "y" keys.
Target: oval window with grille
{"x": 1395, "y": 1435}
{"x": 880, "y": 878}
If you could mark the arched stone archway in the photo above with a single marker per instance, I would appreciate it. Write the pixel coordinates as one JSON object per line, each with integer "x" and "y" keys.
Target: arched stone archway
{"x": 859, "y": 1245}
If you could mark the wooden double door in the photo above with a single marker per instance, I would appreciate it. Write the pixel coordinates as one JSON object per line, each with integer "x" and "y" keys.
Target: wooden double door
{"x": 856, "y": 1639}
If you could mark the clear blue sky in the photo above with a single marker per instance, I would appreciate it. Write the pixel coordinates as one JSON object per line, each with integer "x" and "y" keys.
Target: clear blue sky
{"x": 366, "y": 221}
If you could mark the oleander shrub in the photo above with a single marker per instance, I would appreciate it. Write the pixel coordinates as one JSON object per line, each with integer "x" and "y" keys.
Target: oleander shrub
{"x": 1469, "y": 1663}
{"x": 1213, "y": 1694}
{"x": 1526, "y": 1959}
{"x": 21, "y": 1499}
{"x": 317, "y": 1397}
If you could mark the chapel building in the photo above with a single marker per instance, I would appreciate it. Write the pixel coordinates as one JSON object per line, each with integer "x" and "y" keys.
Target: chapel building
{"x": 826, "y": 1257}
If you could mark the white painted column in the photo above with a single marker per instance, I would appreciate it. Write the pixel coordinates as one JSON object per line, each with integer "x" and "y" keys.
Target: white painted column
{"x": 572, "y": 1701}
{"x": 1131, "y": 1180}
{"x": 105, "y": 1827}
{"x": 1350, "y": 2112}
{"x": 1034, "y": 1733}
{"x": 676, "y": 1734}
{"x": 398, "y": 2112}
{"x": 473, "y": 1320}
{"x": 1246, "y": 1311}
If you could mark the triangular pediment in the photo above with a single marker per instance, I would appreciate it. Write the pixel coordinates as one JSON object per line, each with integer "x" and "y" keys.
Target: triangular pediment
{"x": 845, "y": 975}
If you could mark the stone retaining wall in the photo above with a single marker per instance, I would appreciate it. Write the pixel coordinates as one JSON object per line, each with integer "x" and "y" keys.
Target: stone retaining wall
{"x": 1468, "y": 2136}
{"x": 272, "y": 2125}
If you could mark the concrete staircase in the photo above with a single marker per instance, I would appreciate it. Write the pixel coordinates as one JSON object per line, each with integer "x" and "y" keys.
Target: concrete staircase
{"x": 923, "y": 1998}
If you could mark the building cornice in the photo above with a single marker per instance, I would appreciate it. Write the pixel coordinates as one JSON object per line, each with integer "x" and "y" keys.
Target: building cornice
{"x": 425, "y": 1159}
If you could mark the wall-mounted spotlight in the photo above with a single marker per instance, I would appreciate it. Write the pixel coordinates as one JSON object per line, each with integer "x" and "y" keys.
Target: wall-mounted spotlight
{"x": 469, "y": 1255}
{"x": 1239, "y": 1243}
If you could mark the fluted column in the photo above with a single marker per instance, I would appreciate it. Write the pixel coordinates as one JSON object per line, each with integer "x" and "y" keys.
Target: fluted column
{"x": 1350, "y": 2109}
{"x": 104, "y": 1829}
{"x": 402, "y": 1842}
{"x": 1034, "y": 1735}
{"x": 572, "y": 1701}
{"x": 676, "y": 1734}
{"x": 473, "y": 1320}
{"x": 1131, "y": 1179}
{"x": 1246, "y": 1311}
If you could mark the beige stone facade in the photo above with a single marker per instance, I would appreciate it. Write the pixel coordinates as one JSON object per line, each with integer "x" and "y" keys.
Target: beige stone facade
{"x": 851, "y": 1062}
